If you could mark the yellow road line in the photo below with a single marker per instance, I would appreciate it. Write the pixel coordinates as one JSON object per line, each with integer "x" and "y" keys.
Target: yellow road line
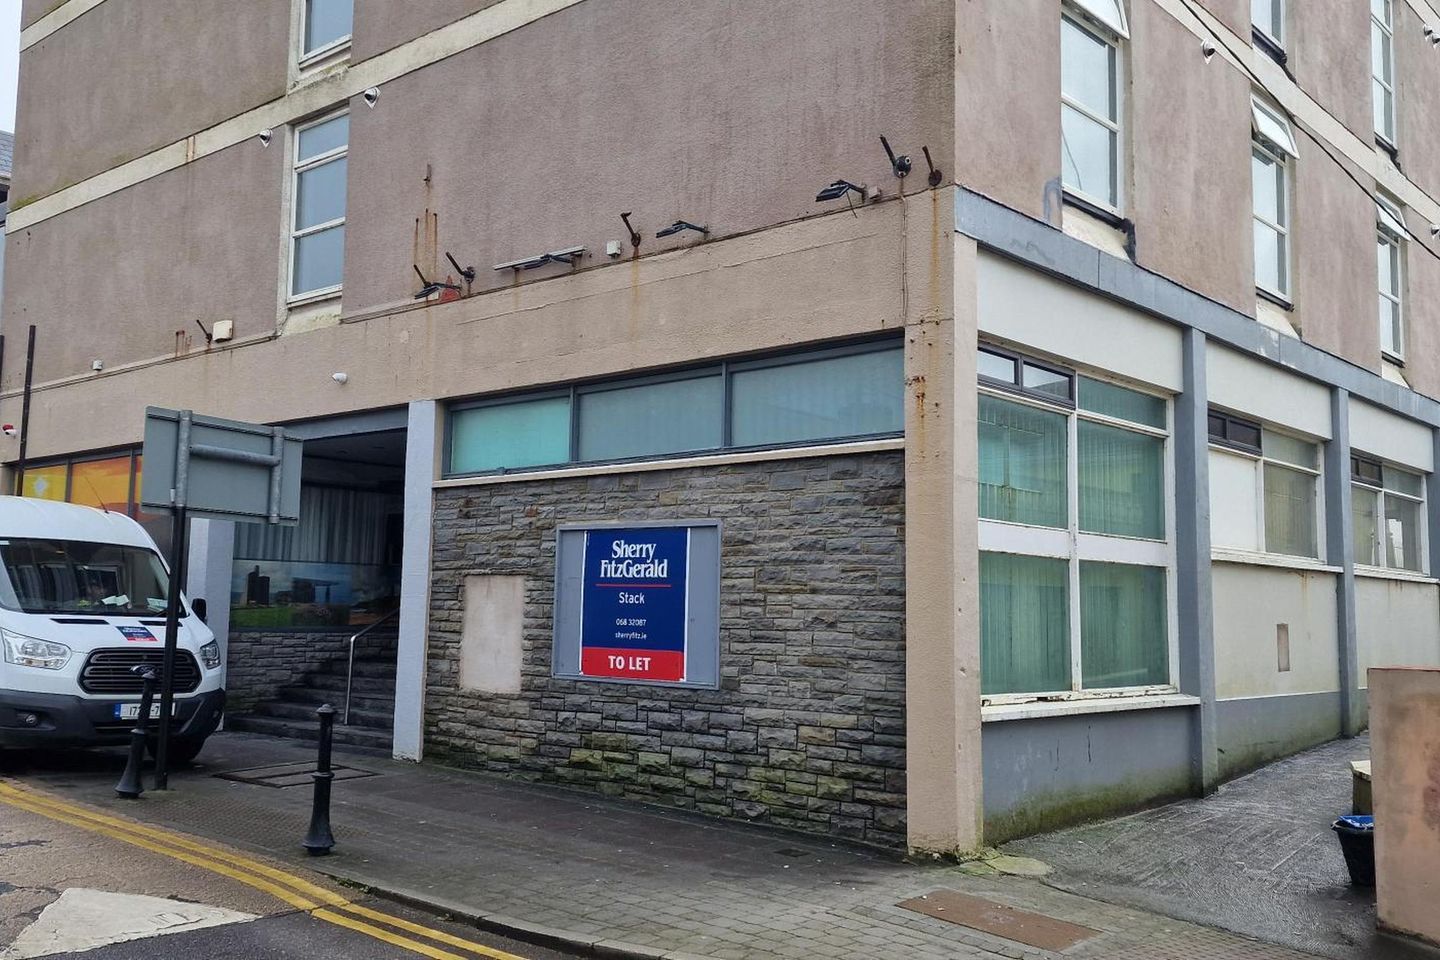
{"x": 249, "y": 872}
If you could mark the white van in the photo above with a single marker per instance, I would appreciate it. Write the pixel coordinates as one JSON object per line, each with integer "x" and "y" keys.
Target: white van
{"x": 82, "y": 602}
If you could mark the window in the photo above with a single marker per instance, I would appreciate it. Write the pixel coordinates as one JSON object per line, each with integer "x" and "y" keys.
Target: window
{"x": 1090, "y": 100}
{"x": 819, "y": 396}
{"x": 326, "y": 27}
{"x": 1382, "y": 67}
{"x": 77, "y": 578}
{"x": 1267, "y": 19}
{"x": 1076, "y": 563}
{"x": 1390, "y": 258}
{"x": 1387, "y": 511}
{"x": 317, "y": 239}
{"x": 1271, "y": 151}
{"x": 1264, "y": 488}
{"x": 111, "y": 481}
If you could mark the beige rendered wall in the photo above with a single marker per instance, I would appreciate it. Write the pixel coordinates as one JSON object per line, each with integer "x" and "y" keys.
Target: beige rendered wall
{"x": 1422, "y": 328}
{"x": 1397, "y": 623}
{"x": 133, "y": 75}
{"x": 32, "y": 10}
{"x": 1247, "y": 662}
{"x": 729, "y": 115}
{"x": 382, "y": 24}
{"x": 1330, "y": 59}
{"x": 1417, "y": 103}
{"x": 1405, "y": 767}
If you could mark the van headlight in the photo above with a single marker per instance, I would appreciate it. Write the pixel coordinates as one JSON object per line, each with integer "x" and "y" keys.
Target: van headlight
{"x": 210, "y": 655}
{"x": 29, "y": 652}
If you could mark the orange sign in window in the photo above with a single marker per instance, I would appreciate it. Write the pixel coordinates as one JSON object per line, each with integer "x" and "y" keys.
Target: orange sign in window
{"x": 101, "y": 483}
{"x": 45, "y": 483}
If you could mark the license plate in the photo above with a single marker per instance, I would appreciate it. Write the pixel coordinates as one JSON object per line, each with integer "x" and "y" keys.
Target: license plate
{"x": 131, "y": 711}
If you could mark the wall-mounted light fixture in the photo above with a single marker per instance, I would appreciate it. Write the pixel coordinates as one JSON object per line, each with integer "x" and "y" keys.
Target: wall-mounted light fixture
{"x": 840, "y": 188}
{"x": 569, "y": 256}
{"x": 679, "y": 226}
{"x": 431, "y": 287}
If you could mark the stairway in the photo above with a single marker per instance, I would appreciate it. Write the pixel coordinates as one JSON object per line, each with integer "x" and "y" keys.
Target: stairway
{"x": 372, "y": 703}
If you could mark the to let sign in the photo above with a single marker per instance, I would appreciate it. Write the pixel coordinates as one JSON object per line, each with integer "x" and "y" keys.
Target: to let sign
{"x": 638, "y": 603}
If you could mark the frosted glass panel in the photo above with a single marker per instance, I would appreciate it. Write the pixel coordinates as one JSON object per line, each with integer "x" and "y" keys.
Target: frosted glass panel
{"x": 1290, "y": 512}
{"x": 1024, "y": 624}
{"x": 319, "y": 260}
{"x": 1363, "y": 504}
{"x": 323, "y": 137}
{"x": 1123, "y": 639}
{"x": 527, "y": 434}
{"x": 1022, "y": 464}
{"x": 677, "y": 416}
{"x": 1233, "y": 521}
{"x": 853, "y": 396}
{"x": 1088, "y": 155}
{"x": 320, "y": 194}
{"x": 1122, "y": 482}
{"x": 1402, "y": 533}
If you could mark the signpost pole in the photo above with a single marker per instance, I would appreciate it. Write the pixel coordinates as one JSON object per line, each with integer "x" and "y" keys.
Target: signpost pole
{"x": 179, "y": 535}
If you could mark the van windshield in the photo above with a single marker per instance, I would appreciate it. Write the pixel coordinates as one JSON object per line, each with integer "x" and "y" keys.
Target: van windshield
{"x": 75, "y": 577}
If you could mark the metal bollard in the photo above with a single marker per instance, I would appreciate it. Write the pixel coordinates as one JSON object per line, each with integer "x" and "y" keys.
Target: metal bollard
{"x": 131, "y": 786}
{"x": 319, "y": 840}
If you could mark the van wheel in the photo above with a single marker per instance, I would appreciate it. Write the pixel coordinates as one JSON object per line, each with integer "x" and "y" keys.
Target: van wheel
{"x": 183, "y": 750}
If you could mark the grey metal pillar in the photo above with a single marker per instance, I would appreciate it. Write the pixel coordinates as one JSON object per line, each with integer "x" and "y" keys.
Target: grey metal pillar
{"x": 420, "y": 446}
{"x": 1340, "y": 552}
{"x": 1194, "y": 593}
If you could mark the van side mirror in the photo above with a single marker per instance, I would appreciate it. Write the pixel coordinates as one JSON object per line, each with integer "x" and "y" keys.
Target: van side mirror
{"x": 201, "y": 609}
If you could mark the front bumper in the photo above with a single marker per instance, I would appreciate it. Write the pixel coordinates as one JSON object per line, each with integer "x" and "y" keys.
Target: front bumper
{"x": 65, "y": 720}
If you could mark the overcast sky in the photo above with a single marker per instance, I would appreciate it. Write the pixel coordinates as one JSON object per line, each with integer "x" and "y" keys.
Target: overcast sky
{"x": 9, "y": 60}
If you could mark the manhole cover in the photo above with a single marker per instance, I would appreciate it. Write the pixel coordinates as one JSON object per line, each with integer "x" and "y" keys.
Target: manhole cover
{"x": 987, "y": 916}
{"x": 290, "y": 774}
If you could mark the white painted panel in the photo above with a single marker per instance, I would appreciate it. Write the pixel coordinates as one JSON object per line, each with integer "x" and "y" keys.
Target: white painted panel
{"x": 421, "y": 433}
{"x": 1250, "y": 602}
{"x": 492, "y": 635}
{"x": 1389, "y": 437}
{"x": 1030, "y": 309}
{"x": 1265, "y": 391}
{"x": 1234, "y": 514}
{"x": 1397, "y": 624}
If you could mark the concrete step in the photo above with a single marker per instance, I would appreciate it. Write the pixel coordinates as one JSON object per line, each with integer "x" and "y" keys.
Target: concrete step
{"x": 363, "y": 668}
{"x": 364, "y": 686}
{"x": 309, "y": 730}
{"x": 372, "y": 719}
{"x": 315, "y": 696}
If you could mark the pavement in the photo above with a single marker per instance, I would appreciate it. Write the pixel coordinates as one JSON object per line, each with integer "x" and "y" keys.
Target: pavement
{"x": 597, "y": 877}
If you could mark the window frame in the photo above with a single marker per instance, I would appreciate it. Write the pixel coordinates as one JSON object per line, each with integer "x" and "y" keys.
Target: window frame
{"x": 1381, "y": 489}
{"x": 1263, "y": 147}
{"x": 1390, "y": 231}
{"x": 1386, "y": 29}
{"x": 298, "y": 167}
{"x": 305, "y": 59}
{"x": 1273, "y": 44}
{"x": 1261, "y": 459}
{"x": 726, "y": 369}
{"x": 1076, "y": 546}
{"x": 1098, "y": 28}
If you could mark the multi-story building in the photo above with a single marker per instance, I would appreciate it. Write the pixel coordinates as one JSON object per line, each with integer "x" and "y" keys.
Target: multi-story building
{"x": 1089, "y": 463}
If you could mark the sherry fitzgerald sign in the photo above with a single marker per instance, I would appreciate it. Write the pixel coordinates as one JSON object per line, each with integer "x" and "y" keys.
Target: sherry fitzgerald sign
{"x": 638, "y": 604}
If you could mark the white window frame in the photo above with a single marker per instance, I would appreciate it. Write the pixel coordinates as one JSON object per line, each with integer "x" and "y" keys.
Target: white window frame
{"x": 1380, "y": 492}
{"x": 333, "y": 50}
{"x": 297, "y": 167}
{"x": 1084, "y": 16}
{"x": 1282, "y": 229}
{"x": 1259, "y": 461}
{"x": 1277, "y": 6}
{"x": 1386, "y": 32}
{"x": 1390, "y": 230}
{"x": 1075, "y": 546}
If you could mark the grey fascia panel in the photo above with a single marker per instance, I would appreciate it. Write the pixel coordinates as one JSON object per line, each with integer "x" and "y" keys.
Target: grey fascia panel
{"x": 1009, "y": 233}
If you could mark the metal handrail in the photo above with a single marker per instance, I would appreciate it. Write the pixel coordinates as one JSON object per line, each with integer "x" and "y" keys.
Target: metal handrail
{"x": 350, "y": 669}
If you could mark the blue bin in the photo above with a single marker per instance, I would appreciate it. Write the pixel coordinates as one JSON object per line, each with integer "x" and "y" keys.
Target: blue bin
{"x": 1357, "y": 843}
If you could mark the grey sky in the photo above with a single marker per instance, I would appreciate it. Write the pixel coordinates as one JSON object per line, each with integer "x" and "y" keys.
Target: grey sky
{"x": 9, "y": 60}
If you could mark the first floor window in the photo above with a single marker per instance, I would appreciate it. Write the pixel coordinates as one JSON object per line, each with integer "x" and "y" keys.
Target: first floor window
{"x": 1264, "y": 488}
{"x": 1074, "y": 533}
{"x": 317, "y": 238}
{"x": 327, "y": 26}
{"x": 1387, "y": 510}
{"x": 1271, "y": 152}
{"x": 1267, "y": 18}
{"x": 1382, "y": 67}
{"x": 1090, "y": 94}
{"x": 1390, "y": 268}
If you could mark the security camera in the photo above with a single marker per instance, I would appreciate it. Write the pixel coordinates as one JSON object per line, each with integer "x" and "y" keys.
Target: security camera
{"x": 266, "y": 136}
{"x": 371, "y": 95}
{"x": 1435, "y": 229}
{"x": 9, "y": 429}
{"x": 340, "y": 377}
{"x": 1207, "y": 50}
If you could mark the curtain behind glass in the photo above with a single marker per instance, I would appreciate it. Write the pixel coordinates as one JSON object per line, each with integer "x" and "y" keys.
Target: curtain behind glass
{"x": 1123, "y": 640}
{"x": 1364, "y": 524}
{"x": 675, "y": 416}
{"x": 1022, "y": 463}
{"x": 1024, "y": 624}
{"x": 1122, "y": 482}
{"x": 336, "y": 526}
{"x": 1290, "y": 512}
{"x": 859, "y": 395}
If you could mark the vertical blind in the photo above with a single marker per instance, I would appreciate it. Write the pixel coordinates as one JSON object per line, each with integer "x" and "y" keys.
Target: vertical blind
{"x": 336, "y": 526}
{"x": 1024, "y": 624}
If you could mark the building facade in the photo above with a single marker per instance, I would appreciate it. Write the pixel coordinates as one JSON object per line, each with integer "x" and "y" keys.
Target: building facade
{"x": 1072, "y": 449}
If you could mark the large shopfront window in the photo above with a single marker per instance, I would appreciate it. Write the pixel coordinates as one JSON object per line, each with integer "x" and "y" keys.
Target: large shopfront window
{"x": 1077, "y": 562}
{"x": 109, "y": 481}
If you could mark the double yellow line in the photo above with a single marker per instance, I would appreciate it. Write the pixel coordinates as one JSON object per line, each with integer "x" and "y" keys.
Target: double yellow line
{"x": 296, "y": 891}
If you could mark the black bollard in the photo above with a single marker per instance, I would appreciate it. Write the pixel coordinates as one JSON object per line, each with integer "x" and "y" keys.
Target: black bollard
{"x": 319, "y": 840}
{"x": 130, "y": 786}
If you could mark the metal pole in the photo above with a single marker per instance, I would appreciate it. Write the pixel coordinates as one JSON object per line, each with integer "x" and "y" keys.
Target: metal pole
{"x": 131, "y": 783}
{"x": 179, "y": 535}
{"x": 25, "y": 411}
{"x": 319, "y": 840}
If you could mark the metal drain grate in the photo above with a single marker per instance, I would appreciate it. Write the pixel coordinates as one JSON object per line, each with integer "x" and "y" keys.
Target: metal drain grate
{"x": 295, "y": 774}
{"x": 1000, "y": 920}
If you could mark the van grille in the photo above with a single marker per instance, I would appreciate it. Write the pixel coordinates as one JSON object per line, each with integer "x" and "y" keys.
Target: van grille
{"x": 108, "y": 671}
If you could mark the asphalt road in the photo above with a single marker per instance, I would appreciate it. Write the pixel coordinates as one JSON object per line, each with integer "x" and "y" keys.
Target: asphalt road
{"x": 77, "y": 882}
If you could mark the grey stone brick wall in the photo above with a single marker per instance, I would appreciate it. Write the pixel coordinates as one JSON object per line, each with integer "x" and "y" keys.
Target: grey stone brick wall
{"x": 259, "y": 663}
{"x": 808, "y": 727}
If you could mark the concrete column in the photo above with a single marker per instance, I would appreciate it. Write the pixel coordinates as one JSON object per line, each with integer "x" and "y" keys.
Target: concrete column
{"x": 1432, "y": 505}
{"x": 1340, "y": 552}
{"x": 944, "y": 796}
{"x": 422, "y": 433}
{"x": 1193, "y": 590}
{"x": 212, "y": 558}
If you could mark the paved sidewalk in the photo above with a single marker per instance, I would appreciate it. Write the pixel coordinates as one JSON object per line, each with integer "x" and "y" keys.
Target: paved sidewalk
{"x": 619, "y": 879}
